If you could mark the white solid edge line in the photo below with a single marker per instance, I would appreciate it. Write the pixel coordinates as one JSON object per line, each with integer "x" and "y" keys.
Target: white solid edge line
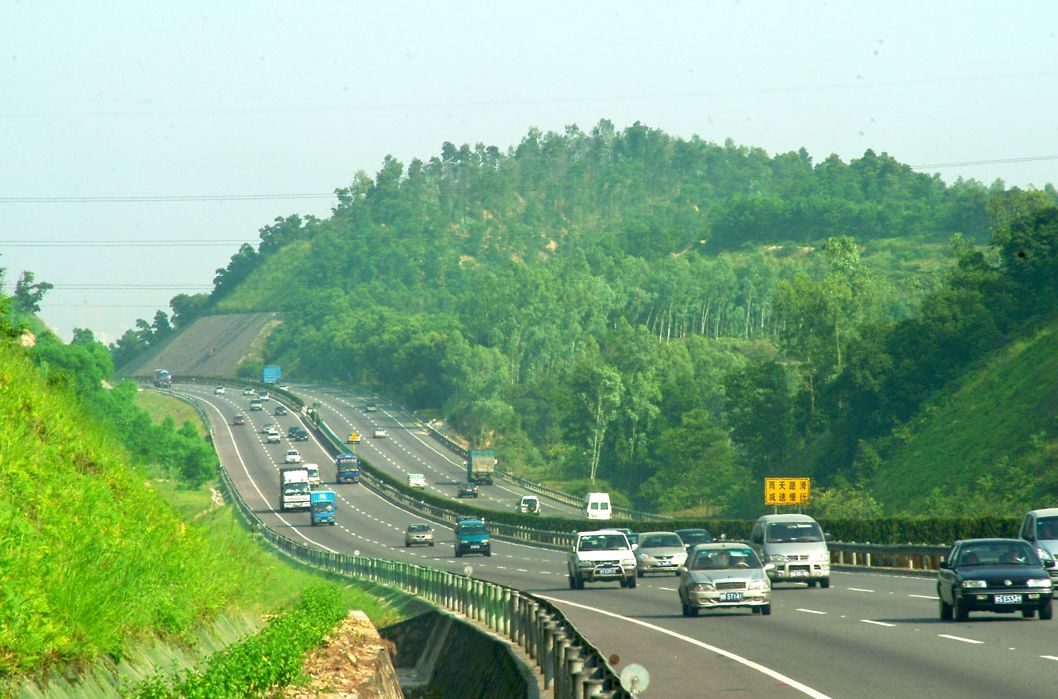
{"x": 250, "y": 478}
{"x": 1049, "y": 657}
{"x": 933, "y": 597}
{"x": 774, "y": 674}
{"x": 960, "y": 638}
{"x": 810, "y": 611}
{"x": 876, "y": 623}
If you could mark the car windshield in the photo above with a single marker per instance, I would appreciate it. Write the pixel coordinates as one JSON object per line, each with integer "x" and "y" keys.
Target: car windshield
{"x": 323, "y": 506}
{"x": 788, "y": 532}
{"x": 1047, "y": 528}
{"x": 1005, "y": 553}
{"x": 473, "y": 530}
{"x": 724, "y": 559}
{"x": 602, "y": 542}
{"x": 418, "y": 528}
{"x": 295, "y": 488}
{"x": 693, "y": 536}
{"x": 657, "y": 541}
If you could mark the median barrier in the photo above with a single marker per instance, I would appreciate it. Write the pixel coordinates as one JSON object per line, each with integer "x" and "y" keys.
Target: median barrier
{"x": 534, "y": 624}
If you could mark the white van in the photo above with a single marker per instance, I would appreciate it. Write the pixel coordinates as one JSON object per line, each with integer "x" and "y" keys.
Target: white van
{"x": 597, "y": 506}
{"x": 1040, "y": 528}
{"x": 795, "y": 545}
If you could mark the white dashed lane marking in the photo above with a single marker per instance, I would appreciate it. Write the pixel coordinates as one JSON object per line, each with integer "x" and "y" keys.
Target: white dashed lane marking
{"x": 859, "y": 589}
{"x": 810, "y": 611}
{"x": 876, "y": 623}
{"x": 932, "y": 597}
{"x": 959, "y": 638}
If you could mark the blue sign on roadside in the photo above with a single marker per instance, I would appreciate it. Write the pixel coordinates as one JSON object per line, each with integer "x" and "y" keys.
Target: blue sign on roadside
{"x": 271, "y": 374}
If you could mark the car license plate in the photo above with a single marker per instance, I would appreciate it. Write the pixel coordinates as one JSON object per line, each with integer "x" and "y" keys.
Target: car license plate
{"x": 1008, "y": 599}
{"x": 731, "y": 597}
{"x": 608, "y": 571}
{"x": 798, "y": 573}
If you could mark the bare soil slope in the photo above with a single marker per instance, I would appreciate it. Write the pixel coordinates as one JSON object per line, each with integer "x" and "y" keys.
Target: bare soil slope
{"x": 211, "y": 346}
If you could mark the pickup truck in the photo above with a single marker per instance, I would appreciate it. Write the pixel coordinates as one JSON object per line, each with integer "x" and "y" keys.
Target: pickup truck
{"x": 601, "y": 556}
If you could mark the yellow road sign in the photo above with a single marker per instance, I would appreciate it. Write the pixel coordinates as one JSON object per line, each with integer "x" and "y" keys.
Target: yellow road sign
{"x": 787, "y": 491}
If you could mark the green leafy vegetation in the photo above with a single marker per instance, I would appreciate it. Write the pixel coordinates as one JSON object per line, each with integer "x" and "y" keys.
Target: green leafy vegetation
{"x": 672, "y": 317}
{"x": 271, "y": 658}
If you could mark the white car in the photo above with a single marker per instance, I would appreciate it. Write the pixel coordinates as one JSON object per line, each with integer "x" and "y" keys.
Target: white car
{"x": 601, "y": 556}
{"x": 379, "y": 433}
{"x": 218, "y": 391}
{"x": 273, "y": 437}
{"x": 416, "y": 480}
{"x": 294, "y": 457}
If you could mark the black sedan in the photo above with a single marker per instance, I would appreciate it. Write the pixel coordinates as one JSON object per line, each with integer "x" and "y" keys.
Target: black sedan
{"x": 468, "y": 490}
{"x": 993, "y": 575}
{"x": 692, "y": 537}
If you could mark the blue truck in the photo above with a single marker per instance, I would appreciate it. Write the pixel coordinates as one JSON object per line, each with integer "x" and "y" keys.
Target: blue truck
{"x": 323, "y": 505}
{"x": 348, "y": 467}
{"x": 472, "y": 537}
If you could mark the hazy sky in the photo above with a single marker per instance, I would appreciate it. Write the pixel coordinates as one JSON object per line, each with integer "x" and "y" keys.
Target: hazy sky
{"x": 111, "y": 100}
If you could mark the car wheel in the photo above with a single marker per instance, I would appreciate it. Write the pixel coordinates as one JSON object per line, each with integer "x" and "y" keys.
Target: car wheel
{"x": 686, "y": 608}
{"x": 945, "y": 610}
{"x": 572, "y": 583}
{"x": 692, "y": 609}
{"x": 489, "y": 553}
{"x": 1047, "y": 611}
{"x": 639, "y": 573}
{"x": 458, "y": 553}
{"x": 431, "y": 543}
{"x": 962, "y": 612}
{"x": 1028, "y": 613}
{"x": 811, "y": 583}
{"x": 824, "y": 583}
{"x": 632, "y": 581}
{"x": 766, "y": 610}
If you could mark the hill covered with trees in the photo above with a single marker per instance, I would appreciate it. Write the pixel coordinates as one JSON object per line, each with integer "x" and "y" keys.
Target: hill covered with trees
{"x": 676, "y": 318}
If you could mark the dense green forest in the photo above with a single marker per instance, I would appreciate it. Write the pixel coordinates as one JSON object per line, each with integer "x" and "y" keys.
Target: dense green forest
{"x": 674, "y": 318}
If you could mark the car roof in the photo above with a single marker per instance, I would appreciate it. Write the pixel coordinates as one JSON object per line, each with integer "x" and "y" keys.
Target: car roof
{"x": 991, "y": 540}
{"x": 1045, "y": 512}
{"x": 786, "y": 518}
{"x": 472, "y": 520}
{"x": 691, "y": 529}
{"x": 719, "y": 546}
{"x": 644, "y": 534}
{"x": 601, "y": 531}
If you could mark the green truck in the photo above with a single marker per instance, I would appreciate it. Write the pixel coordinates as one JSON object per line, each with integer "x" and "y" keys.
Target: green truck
{"x": 481, "y": 465}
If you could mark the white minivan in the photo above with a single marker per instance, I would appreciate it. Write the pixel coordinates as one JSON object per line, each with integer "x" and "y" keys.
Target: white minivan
{"x": 597, "y": 506}
{"x": 1040, "y": 528}
{"x": 795, "y": 546}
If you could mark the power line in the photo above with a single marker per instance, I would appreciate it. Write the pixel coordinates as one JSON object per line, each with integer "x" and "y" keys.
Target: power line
{"x": 997, "y": 161}
{"x": 121, "y": 243}
{"x": 156, "y": 198}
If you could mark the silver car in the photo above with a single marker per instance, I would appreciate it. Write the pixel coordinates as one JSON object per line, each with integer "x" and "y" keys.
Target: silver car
{"x": 660, "y": 552}
{"x": 418, "y": 533}
{"x": 722, "y": 575}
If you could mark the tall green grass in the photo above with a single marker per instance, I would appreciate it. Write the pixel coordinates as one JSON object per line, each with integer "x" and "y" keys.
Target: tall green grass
{"x": 93, "y": 559}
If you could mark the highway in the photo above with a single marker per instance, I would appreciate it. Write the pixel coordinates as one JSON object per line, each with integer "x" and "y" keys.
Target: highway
{"x": 410, "y": 449}
{"x": 869, "y": 635}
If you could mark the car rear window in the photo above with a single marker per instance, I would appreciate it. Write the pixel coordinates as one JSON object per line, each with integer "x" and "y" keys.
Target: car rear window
{"x": 658, "y": 541}
{"x": 788, "y": 532}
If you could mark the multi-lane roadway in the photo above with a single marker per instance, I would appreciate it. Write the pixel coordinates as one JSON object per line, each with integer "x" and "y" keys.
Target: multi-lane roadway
{"x": 869, "y": 635}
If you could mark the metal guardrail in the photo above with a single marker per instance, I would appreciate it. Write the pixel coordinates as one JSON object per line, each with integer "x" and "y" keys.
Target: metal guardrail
{"x": 557, "y": 495}
{"x": 572, "y": 668}
{"x": 914, "y": 557}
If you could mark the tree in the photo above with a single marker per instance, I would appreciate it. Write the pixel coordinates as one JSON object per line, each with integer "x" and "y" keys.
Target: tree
{"x": 28, "y": 294}
{"x": 760, "y": 415}
{"x": 598, "y": 389}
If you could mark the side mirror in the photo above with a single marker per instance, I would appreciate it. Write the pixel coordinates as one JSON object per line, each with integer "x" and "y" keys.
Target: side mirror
{"x": 768, "y": 567}
{"x": 635, "y": 547}
{"x": 1049, "y": 563}
{"x": 827, "y": 536}
{"x": 681, "y": 570}
{"x": 944, "y": 565}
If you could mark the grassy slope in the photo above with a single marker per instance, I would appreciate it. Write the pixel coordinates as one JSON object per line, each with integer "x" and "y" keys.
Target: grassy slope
{"x": 992, "y": 413}
{"x": 92, "y": 556}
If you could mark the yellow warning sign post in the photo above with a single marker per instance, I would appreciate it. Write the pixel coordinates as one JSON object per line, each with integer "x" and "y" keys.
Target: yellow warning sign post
{"x": 787, "y": 491}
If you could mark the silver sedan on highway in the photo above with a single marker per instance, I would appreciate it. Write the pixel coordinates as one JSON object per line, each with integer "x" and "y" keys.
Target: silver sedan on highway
{"x": 660, "y": 552}
{"x": 723, "y": 575}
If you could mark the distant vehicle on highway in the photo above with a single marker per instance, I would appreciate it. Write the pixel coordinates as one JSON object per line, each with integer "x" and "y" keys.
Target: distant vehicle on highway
{"x": 268, "y": 427}
{"x": 354, "y": 438}
{"x": 418, "y": 533}
{"x": 994, "y": 575}
{"x": 238, "y": 420}
{"x": 632, "y": 537}
{"x": 721, "y": 575}
{"x": 529, "y": 504}
{"x": 218, "y": 391}
{"x": 255, "y": 404}
{"x": 472, "y": 537}
{"x": 601, "y": 556}
{"x": 597, "y": 506}
{"x": 298, "y": 433}
{"x": 370, "y": 408}
{"x": 264, "y": 395}
{"x": 280, "y": 410}
{"x": 273, "y": 437}
{"x": 314, "y": 474}
{"x": 248, "y": 391}
{"x": 293, "y": 456}
{"x": 467, "y": 490}
{"x": 693, "y": 537}
{"x": 380, "y": 433}
{"x": 416, "y": 480}
{"x": 660, "y": 552}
